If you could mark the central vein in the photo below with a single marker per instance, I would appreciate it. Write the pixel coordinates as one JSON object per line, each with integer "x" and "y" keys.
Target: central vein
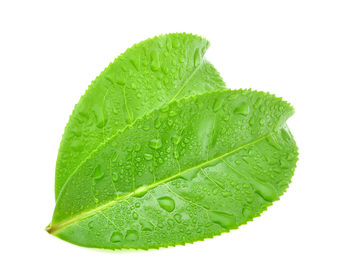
{"x": 54, "y": 228}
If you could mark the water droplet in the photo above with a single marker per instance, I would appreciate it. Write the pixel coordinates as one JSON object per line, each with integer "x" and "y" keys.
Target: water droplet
{"x": 155, "y": 65}
{"x": 91, "y": 225}
{"x": 167, "y": 203}
{"x": 242, "y": 109}
{"x": 175, "y": 43}
{"x": 165, "y": 108}
{"x": 197, "y": 58}
{"x": 190, "y": 175}
{"x": 171, "y": 222}
{"x": 285, "y": 133}
{"x": 115, "y": 176}
{"x": 226, "y": 193}
{"x": 120, "y": 81}
{"x": 168, "y": 44}
{"x": 137, "y": 147}
{"x": 98, "y": 174}
{"x": 132, "y": 235}
{"x": 266, "y": 191}
{"x": 137, "y": 204}
{"x": 175, "y": 139}
{"x": 146, "y": 226}
{"x": 148, "y": 156}
{"x": 157, "y": 123}
{"x": 247, "y": 213}
{"x": 225, "y": 220}
{"x": 218, "y": 104}
{"x": 135, "y": 61}
{"x": 155, "y": 143}
{"x": 135, "y": 215}
{"x": 172, "y": 113}
{"x": 177, "y": 218}
{"x": 77, "y": 146}
{"x": 116, "y": 237}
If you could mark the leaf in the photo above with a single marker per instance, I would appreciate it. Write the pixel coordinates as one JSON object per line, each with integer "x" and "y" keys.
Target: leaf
{"x": 147, "y": 76}
{"x": 188, "y": 171}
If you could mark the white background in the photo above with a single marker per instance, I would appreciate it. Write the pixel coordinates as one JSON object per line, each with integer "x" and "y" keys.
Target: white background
{"x": 300, "y": 50}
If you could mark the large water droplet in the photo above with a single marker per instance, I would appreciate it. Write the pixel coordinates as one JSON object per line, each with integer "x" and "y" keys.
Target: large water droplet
{"x": 157, "y": 123}
{"x": 155, "y": 65}
{"x": 132, "y": 235}
{"x": 155, "y": 143}
{"x": 135, "y": 61}
{"x": 146, "y": 226}
{"x": 242, "y": 109}
{"x": 98, "y": 173}
{"x": 266, "y": 191}
{"x": 148, "y": 156}
{"x": 116, "y": 237}
{"x": 225, "y": 220}
{"x": 167, "y": 203}
{"x": 218, "y": 103}
{"x": 190, "y": 175}
{"x": 197, "y": 58}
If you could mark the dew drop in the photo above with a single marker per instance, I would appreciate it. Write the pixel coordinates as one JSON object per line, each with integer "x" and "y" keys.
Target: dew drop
{"x": 175, "y": 139}
{"x": 146, "y": 226}
{"x": 218, "y": 104}
{"x": 172, "y": 113}
{"x": 225, "y": 220}
{"x": 115, "y": 177}
{"x": 247, "y": 213}
{"x": 167, "y": 203}
{"x": 91, "y": 225}
{"x": 177, "y": 218}
{"x": 175, "y": 43}
{"x": 155, "y": 65}
{"x": 286, "y": 135}
{"x": 171, "y": 222}
{"x": 197, "y": 58}
{"x": 135, "y": 215}
{"x": 266, "y": 191}
{"x": 135, "y": 62}
{"x": 148, "y": 156}
{"x": 242, "y": 109}
{"x": 137, "y": 147}
{"x": 155, "y": 143}
{"x": 116, "y": 237}
{"x": 168, "y": 44}
{"x": 98, "y": 174}
{"x": 132, "y": 235}
{"x": 157, "y": 123}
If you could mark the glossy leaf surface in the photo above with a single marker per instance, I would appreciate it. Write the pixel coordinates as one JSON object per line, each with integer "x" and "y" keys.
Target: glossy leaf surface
{"x": 145, "y": 77}
{"x": 193, "y": 169}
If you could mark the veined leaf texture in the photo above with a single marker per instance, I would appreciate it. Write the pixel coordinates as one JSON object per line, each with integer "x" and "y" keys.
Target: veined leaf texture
{"x": 159, "y": 153}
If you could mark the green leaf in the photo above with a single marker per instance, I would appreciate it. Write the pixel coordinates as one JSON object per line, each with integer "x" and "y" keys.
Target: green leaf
{"x": 188, "y": 171}
{"x": 145, "y": 77}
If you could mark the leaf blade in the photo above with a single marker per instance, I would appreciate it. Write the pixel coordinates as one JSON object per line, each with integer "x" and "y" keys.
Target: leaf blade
{"x": 137, "y": 82}
{"x": 213, "y": 104}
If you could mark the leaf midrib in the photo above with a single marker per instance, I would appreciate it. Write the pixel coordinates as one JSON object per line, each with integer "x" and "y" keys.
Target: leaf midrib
{"x": 52, "y": 229}
{"x": 130, "y": 125}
